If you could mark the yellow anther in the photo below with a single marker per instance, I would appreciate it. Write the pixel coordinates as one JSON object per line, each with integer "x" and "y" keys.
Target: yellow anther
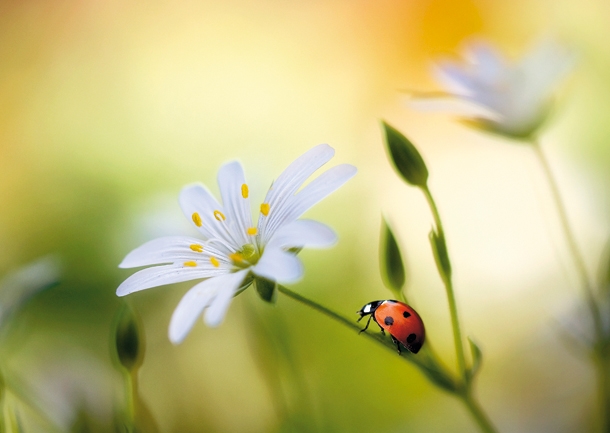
{"x": 197, "y": 248}
{"x": 197, "y": 219}
{"x": 252, "y": 231}
{"x": 244, "y": 191}
{"x": 214, "y": 261}
{"x": 236, "y": 257}
{"x": 265, "y": 209}
{"x": 191, "y": 263}
{"x": 219, "y": 215}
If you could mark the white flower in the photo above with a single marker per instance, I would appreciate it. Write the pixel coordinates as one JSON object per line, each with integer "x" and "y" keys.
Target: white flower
{"x": 504, "y": 97}
{"x": 233, "y": 251}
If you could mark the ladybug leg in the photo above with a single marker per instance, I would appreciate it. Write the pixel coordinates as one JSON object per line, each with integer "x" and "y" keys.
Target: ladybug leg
{"x": 397, "y": 344}
{"x": 367, "y": 323}
{"x": 380, "y": 328}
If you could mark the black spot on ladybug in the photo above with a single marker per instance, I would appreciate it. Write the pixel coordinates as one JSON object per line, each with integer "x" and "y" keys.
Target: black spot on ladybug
{"x": 411, "y": 338}
{"x": 389, "y": 321}
{"x": 406, "y": 314}
{"x": 415, "y": 347}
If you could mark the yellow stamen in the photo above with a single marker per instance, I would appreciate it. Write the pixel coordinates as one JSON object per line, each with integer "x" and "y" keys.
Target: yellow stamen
{"x": 197, "y": 219}
{"x": 191, "y": 263}
{"x": 219, "y": 215}
{"x": 244, "y": 191}
{"x": 236, "y": 257}
{"x": 215, "y": 262}
{"x": 197, "y": 248}
{"x": 252, "y": 231}
{"x": 265, "y": 209}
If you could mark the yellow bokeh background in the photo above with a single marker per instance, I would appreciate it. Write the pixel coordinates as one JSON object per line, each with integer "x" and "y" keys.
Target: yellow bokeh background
{"x": 109, "y": 108}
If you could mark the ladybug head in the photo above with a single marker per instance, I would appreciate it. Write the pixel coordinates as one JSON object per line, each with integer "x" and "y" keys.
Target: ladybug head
{"x": 369, "y": 308}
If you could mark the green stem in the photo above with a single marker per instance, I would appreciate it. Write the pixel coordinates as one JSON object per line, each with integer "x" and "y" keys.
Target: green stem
{"x": 455, "y": 323}
{"x": 378, "y": 337}
{"x": 461, "y": 390}
{"x": 131, "y": 391}
{"x": 600, "y": 353}
{"x": 479, "y": 416}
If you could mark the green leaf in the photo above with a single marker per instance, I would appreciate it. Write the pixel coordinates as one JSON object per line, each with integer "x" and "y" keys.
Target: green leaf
{"x": 477, "y": 357}
{"x": 406, "y": 158}
{"x": 266, "y": 289}
{"x": 441, "y": 257}
{"x": 129, "y": 339}
{"x": 392, "y": 268}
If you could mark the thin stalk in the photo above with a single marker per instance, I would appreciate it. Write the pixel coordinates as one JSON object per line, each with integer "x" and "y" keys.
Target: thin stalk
{"x": 455, "y": 322}
{"x": 479, "y": 416}
{"x": 378, "y": 337}
{"x": 600, "y": 354}
{"x": 131, "y": 391}
{"x": 462, "y": 390}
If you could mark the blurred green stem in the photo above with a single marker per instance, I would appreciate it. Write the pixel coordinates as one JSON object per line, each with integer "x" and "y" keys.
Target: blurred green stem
{"x": 455, "y": 322}
{"x": 475, "y": 409}
{"x": 131, "y": 392}
{"x": 600, "y": 351}
{"x": 571, "y": 241}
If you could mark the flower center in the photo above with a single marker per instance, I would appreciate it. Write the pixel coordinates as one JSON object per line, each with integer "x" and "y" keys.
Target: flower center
{"x": 247, "y": 256}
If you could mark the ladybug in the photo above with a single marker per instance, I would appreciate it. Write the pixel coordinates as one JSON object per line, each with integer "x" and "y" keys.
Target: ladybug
{"x": 400, "y": 320}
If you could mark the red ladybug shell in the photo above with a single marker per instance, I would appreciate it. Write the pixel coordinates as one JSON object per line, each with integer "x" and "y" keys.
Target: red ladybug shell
{"x": 402, "y": 322}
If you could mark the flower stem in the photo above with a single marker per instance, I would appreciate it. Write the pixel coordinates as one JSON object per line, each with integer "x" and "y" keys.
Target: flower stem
{"x": 455, "y": 323}
{"x": 460, "y": 389}
{"x": 480, "y": 417}
{"x": 600, "y": 352}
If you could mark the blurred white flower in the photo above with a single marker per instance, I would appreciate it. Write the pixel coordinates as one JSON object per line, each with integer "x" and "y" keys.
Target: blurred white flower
{"x": 20, "y": 285}
{"x": 498, "y": 95}
{"x": 233, "y": 250}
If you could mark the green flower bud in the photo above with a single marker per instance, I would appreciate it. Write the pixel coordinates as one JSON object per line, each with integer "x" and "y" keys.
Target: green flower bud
{"x": 266, "y": 289}
{"x": 392, "y": 268}
{"x": 441, "y": 257}
{"x": 407, "y": 160}
{"x": 129, "y": 340}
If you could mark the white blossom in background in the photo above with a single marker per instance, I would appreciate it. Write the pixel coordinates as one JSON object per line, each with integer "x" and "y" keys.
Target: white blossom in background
{"x": 233, "y": 250}
{"x": 510, "y": 98}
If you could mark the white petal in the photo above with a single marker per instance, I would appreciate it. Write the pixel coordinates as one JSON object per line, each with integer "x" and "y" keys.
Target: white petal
{"x": 219, "y": 306}
{"x": 316, "y": 190}
{"x": 455, "y": 105}
{"x": 278, "y": 265}
{"x": 167, "y": 249}
{"x": 291, "y": 179}
{"x": 196, "y": 198}
{"x": 196, "y": 300}
{"x": 231, "y": 178}
{"x": 454, "y": 77}
{"x": 166, "y": 274}
{"x": 488, "y": 62}
{"x": 303, "y": 233}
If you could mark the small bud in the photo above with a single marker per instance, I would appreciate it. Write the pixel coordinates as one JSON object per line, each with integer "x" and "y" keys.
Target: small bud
{"x": 477, "y": 356}
{"x": 441, "y": 257}
{"x": 129, "y": 340}
{"x": 392, "y": 268}
{"x": 266, "y": 289}
{"x": 407, "y": 160}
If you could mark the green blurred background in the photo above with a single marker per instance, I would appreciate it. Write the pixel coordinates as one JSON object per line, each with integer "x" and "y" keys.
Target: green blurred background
{"x": 109, "y": 108}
